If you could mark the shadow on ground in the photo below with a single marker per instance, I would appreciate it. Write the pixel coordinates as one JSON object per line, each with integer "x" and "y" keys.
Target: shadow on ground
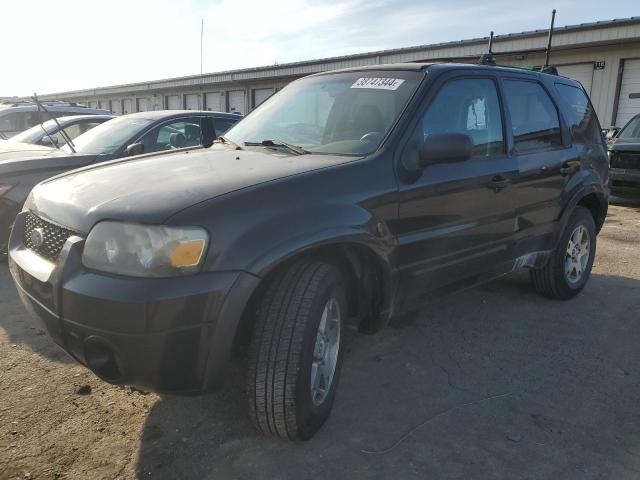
{"x": 17, "y": 324}
{"x": 496, "y": 382}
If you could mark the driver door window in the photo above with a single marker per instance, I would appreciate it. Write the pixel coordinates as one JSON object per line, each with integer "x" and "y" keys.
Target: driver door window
{"x": 468, "y": 106}
{"x": 181, "y": 133}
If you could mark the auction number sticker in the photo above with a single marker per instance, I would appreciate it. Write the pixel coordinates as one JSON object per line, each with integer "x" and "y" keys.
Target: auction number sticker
{"x": 378, "y": 83}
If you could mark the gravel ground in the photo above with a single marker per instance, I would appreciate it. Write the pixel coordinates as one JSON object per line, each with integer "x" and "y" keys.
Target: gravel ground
{"x": 493, "y": 383}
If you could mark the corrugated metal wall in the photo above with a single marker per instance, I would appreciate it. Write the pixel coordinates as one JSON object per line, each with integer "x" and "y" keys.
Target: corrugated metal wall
{"x": 236, "y": 91}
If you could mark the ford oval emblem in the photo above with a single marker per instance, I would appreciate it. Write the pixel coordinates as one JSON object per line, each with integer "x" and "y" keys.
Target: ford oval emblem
{"x": 37, "y": 237}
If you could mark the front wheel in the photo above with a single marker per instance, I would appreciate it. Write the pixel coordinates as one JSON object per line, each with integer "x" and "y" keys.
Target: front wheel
{"x": 296, "y": 350}
{"x": 569, "y": 267}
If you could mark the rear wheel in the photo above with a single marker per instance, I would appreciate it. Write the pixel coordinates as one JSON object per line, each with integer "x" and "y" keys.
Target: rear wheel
{"x": 296, "y": 352}
{"x": 569, "y": 267}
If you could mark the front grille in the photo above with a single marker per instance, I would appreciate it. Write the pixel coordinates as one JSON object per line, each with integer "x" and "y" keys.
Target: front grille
{"x": 53, "y": 237}
{"x": 625, "y": 160}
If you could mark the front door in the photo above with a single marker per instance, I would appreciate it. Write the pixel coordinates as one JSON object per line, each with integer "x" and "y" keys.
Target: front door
{"x": 456, "y": 220}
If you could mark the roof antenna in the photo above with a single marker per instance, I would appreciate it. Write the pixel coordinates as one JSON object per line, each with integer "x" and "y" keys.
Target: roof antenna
{"x": 546, "y": 67}
{"x": 488, "y": 58}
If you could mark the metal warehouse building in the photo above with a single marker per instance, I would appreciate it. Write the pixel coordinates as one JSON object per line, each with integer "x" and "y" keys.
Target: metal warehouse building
{"x": 604, "y": 56}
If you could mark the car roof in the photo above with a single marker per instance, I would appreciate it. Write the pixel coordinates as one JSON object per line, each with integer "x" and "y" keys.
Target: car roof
{"x": 165, "y": 114}
{"x": 52, "y": 108}
{"x": 424, "y": 66}
{"x": 74, "y": 118}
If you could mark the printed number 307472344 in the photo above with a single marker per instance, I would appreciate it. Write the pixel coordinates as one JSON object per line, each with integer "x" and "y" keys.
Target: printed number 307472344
{"x": 378, "y": 83}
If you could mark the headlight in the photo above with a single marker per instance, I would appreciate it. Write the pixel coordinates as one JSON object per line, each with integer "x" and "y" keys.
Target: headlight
{"x": 144, "y": 250}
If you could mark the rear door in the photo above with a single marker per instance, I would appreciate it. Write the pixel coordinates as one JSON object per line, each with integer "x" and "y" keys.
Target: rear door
{"x": 456, "y": 220}
{"x": 541, "y": 146}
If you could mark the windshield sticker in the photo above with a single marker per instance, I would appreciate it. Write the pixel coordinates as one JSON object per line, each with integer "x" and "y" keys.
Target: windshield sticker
{"x": 378, "y": 83}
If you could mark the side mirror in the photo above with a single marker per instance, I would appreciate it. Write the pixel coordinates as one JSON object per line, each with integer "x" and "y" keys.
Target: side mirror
{"x": 135, "y": 149}
{"x": 445, "y": 148}
{"x": 611, "y": 134}
{"x": 49, "y": 141}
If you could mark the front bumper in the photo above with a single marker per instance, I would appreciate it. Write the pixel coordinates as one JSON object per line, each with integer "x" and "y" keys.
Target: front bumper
{"x": 8, "y": 212}
{"x": 159, "y": 334}
{"x": 624, "y": 180}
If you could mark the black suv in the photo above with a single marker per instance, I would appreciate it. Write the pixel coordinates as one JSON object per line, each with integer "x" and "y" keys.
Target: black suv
{"x": 624, "y": 156}
{"x": 349, "y": 196}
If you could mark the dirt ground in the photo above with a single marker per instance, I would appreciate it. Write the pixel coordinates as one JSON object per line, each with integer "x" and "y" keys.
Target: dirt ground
{"x": 493, "y": 383}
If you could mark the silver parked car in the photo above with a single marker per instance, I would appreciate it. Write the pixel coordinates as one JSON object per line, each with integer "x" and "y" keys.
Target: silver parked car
{"x": 49, "y": 135}
{"x": 16, "y": 117}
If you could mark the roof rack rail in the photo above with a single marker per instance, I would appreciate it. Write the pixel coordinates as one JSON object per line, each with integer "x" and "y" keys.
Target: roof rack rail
{"x": 490, "y": 59}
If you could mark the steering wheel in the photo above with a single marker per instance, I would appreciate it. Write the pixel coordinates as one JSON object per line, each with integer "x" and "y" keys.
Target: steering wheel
{"x": 371, "y": 137}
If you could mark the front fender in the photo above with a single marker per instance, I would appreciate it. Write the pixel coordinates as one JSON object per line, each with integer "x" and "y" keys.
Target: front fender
{"x": 257, "y": 247}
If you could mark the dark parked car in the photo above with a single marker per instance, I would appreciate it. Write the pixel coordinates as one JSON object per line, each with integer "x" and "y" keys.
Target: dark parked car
{"x": 21, "y": 168}
{"x": 48, "y": 133}
{"x": 348, "y": 196}
{"x": 624, "y": 157}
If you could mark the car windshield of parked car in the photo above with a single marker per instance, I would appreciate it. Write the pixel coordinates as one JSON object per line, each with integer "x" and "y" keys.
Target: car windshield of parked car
{"x": 34, "y": 134}
{"x": 631, "y": 131}
{"x": 344, "y": 113}
{"x": 110, "y": 136}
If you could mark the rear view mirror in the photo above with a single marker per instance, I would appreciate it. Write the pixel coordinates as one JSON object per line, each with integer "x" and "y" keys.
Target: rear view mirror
{"x": 135, "y": 149}
{"x": 445, "y": 148}
{"x": 611, "y": 134}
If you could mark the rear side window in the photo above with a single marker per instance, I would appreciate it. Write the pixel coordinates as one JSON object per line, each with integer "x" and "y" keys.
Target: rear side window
{"x": 18, "y": 121}
{"x": 582, "y": 119}
{"x": 534, "y": 118}
{"x": 468, "y": 106}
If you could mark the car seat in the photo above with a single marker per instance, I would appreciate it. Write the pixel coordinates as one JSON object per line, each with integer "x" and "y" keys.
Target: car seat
{"x": 177, "y": 140}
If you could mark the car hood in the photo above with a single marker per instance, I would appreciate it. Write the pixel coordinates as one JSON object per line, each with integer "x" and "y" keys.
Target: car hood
{"x": 622, "y": 145}
{"x": 152, "y": 188}
{"x": 16, "y": 157}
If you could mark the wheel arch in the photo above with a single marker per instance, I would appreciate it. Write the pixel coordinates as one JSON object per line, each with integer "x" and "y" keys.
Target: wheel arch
{"x": 368, "y": 273}
{"x": 591, "y": 197}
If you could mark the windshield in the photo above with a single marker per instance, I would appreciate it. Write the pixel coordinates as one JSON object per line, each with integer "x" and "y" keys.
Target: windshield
{"x": 35, "y": 134}
{"x": 631, "y": 131}
{"x": 344, "y": 113}
{"x": 110, "y": 136}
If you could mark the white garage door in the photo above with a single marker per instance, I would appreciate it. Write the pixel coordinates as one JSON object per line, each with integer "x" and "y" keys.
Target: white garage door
{"x": 116, "y": 107}
{"x": 105, "y": 104}
{"x": 260, "y": 95}
{"x": 582, "y": 72}
{"x": 192, "y": 101}
{"x": 93, "y": 104}
{"x": 629, "y": 99}
{"x": 173, "y": 102}
{"x": 237, "y": 101}
{"x": 143, "y": 104}
{"x": 215, "y": 101}
{"x": 127, "y": 105}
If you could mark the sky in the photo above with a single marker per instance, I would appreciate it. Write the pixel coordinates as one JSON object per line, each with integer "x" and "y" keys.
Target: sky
{"x": 53, "y": 46}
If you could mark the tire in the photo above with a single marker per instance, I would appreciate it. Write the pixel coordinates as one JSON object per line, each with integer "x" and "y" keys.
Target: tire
{"x": 564, "y": 276}
{"x": 285, "y": 350}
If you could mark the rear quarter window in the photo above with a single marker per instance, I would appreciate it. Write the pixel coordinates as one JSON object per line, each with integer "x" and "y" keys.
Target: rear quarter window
{"x": 580, "y": 114}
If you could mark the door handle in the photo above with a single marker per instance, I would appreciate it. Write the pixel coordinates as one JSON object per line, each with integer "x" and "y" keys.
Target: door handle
{"x": 567, "y": 169}
{"x": 499, "y": 182}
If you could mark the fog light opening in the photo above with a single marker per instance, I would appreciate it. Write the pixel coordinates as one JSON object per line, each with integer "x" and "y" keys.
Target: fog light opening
{"x": 101, "y": 359}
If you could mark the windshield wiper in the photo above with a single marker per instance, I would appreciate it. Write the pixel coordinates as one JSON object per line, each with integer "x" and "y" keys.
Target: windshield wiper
{"x": 63, "y": 134}
{"x": 278, "y": 143}
{"x": 50, "y": 137}
{"x": 3, "y": 136}
{"x": 228, "y": 142}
